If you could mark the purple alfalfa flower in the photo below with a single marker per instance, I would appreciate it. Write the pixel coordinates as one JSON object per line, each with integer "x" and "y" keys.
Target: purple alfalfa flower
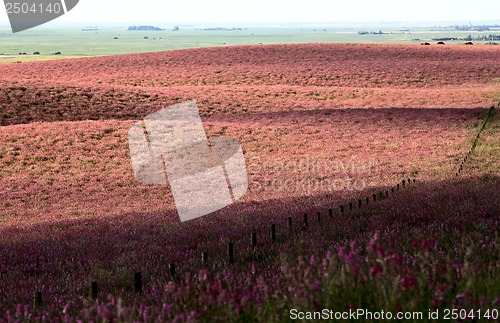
{"x": 483, "y": 301}
{"x": 465, "y": 297}
{"x": 144, "y": 312}
{"x": 428, "y": 245}
{"x": 179, "y": 318}
{"x": 341, "y": 253}
{"x": 372, "y": 245}
{"x": 228, "y": 277}
{"x": 375, "y": 270}
{"x": 224, "y": 296}
{"x": 408, "y": 281}
{"x": 67, "y": 318}
{"x": 356, "y": 271}
{"x": 347, "y": 257}
{"x": 245, "y": 296}
{"x": 215, "y": 287}
{"x": 381, "y": 252}
{"x": 324, "y": 264}
{"x": 397, "y": 258}
{"x": 353, "y": 245}
{"x": 19, "y": 310}
{"x": 440, "y": 291}
{"x": 187, "y": 278}
{"x": 191, "y": 316}
{"x": 265, "y": 290}
{"x": 166, "y": 309}
{"x": 8, "y": 316}
{"x": 100, "y": 310}
{"x": 67, "y": 307}
{"x": 258, "y": 299}
{"x": 111, "y": 299}
{"x": 313, "y": 260}
{"x": 170, "y": 287}
{"x": 316, "y": 286}
{"x": 203, "y": 275}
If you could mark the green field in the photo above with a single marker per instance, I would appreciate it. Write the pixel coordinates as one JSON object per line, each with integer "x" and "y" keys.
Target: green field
{"x": 74, "y": 42}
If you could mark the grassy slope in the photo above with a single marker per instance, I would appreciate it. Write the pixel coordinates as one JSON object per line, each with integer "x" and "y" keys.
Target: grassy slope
{"x": 74, "y": 42}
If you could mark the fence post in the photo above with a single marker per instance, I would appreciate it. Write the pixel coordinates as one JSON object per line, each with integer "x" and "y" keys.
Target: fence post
{"x": 230, "y": 251}
{"x": 37, "y": 299}
{"x": 330, "y": 213}
{"x": 367, "y": 200}
{"x": 305, "y": 221}
{"x": 171, "y": 269}
{"x": 290, "y": 225}
{"x": 350, "y": 205}
{"x": 254, "y": 239}
{"x": 319, "y": 216}
{"x": 94, "y": 290}
{"x": 341, "y": 209}
{"x": 374, "y": 197}
{"x": 204, "y": 258}
{"x": 273, "y": 232}
{"x": 138, "y": 282}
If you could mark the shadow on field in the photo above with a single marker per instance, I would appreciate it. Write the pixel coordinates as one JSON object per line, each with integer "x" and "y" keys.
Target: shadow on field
{"x": 112, "y": 248}
{"x": 26, "y": 104}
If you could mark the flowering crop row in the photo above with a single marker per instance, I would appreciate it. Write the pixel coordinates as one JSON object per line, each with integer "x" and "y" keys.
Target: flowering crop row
{"x": 251, "y": 79}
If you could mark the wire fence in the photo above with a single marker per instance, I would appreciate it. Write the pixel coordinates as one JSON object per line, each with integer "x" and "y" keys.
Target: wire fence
{"x": 474, "y": 143}
{"x": 287, "y": 230}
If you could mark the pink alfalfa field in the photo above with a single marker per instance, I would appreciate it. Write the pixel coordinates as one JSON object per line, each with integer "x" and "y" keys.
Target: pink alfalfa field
{"x": 321, "y": 126}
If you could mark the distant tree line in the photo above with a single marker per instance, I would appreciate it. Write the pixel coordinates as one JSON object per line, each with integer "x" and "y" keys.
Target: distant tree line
{"x": 371, "y": 33}
{"x": 477, "y": 28}
{"x": 470, "y": 38}
{"x": 144, "y": 28}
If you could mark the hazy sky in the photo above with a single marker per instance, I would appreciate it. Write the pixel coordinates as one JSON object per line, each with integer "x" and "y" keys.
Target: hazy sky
{"x": 277, "y": 11}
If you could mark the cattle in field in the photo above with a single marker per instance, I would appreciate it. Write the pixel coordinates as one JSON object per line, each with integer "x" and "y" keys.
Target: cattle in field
{"x": 469, "y": 43}
{"x": 425, "y": 43}
{"x": 36, "y": 53}
{"x": 57, "y": 53}
{"x": 440, "y": 43}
